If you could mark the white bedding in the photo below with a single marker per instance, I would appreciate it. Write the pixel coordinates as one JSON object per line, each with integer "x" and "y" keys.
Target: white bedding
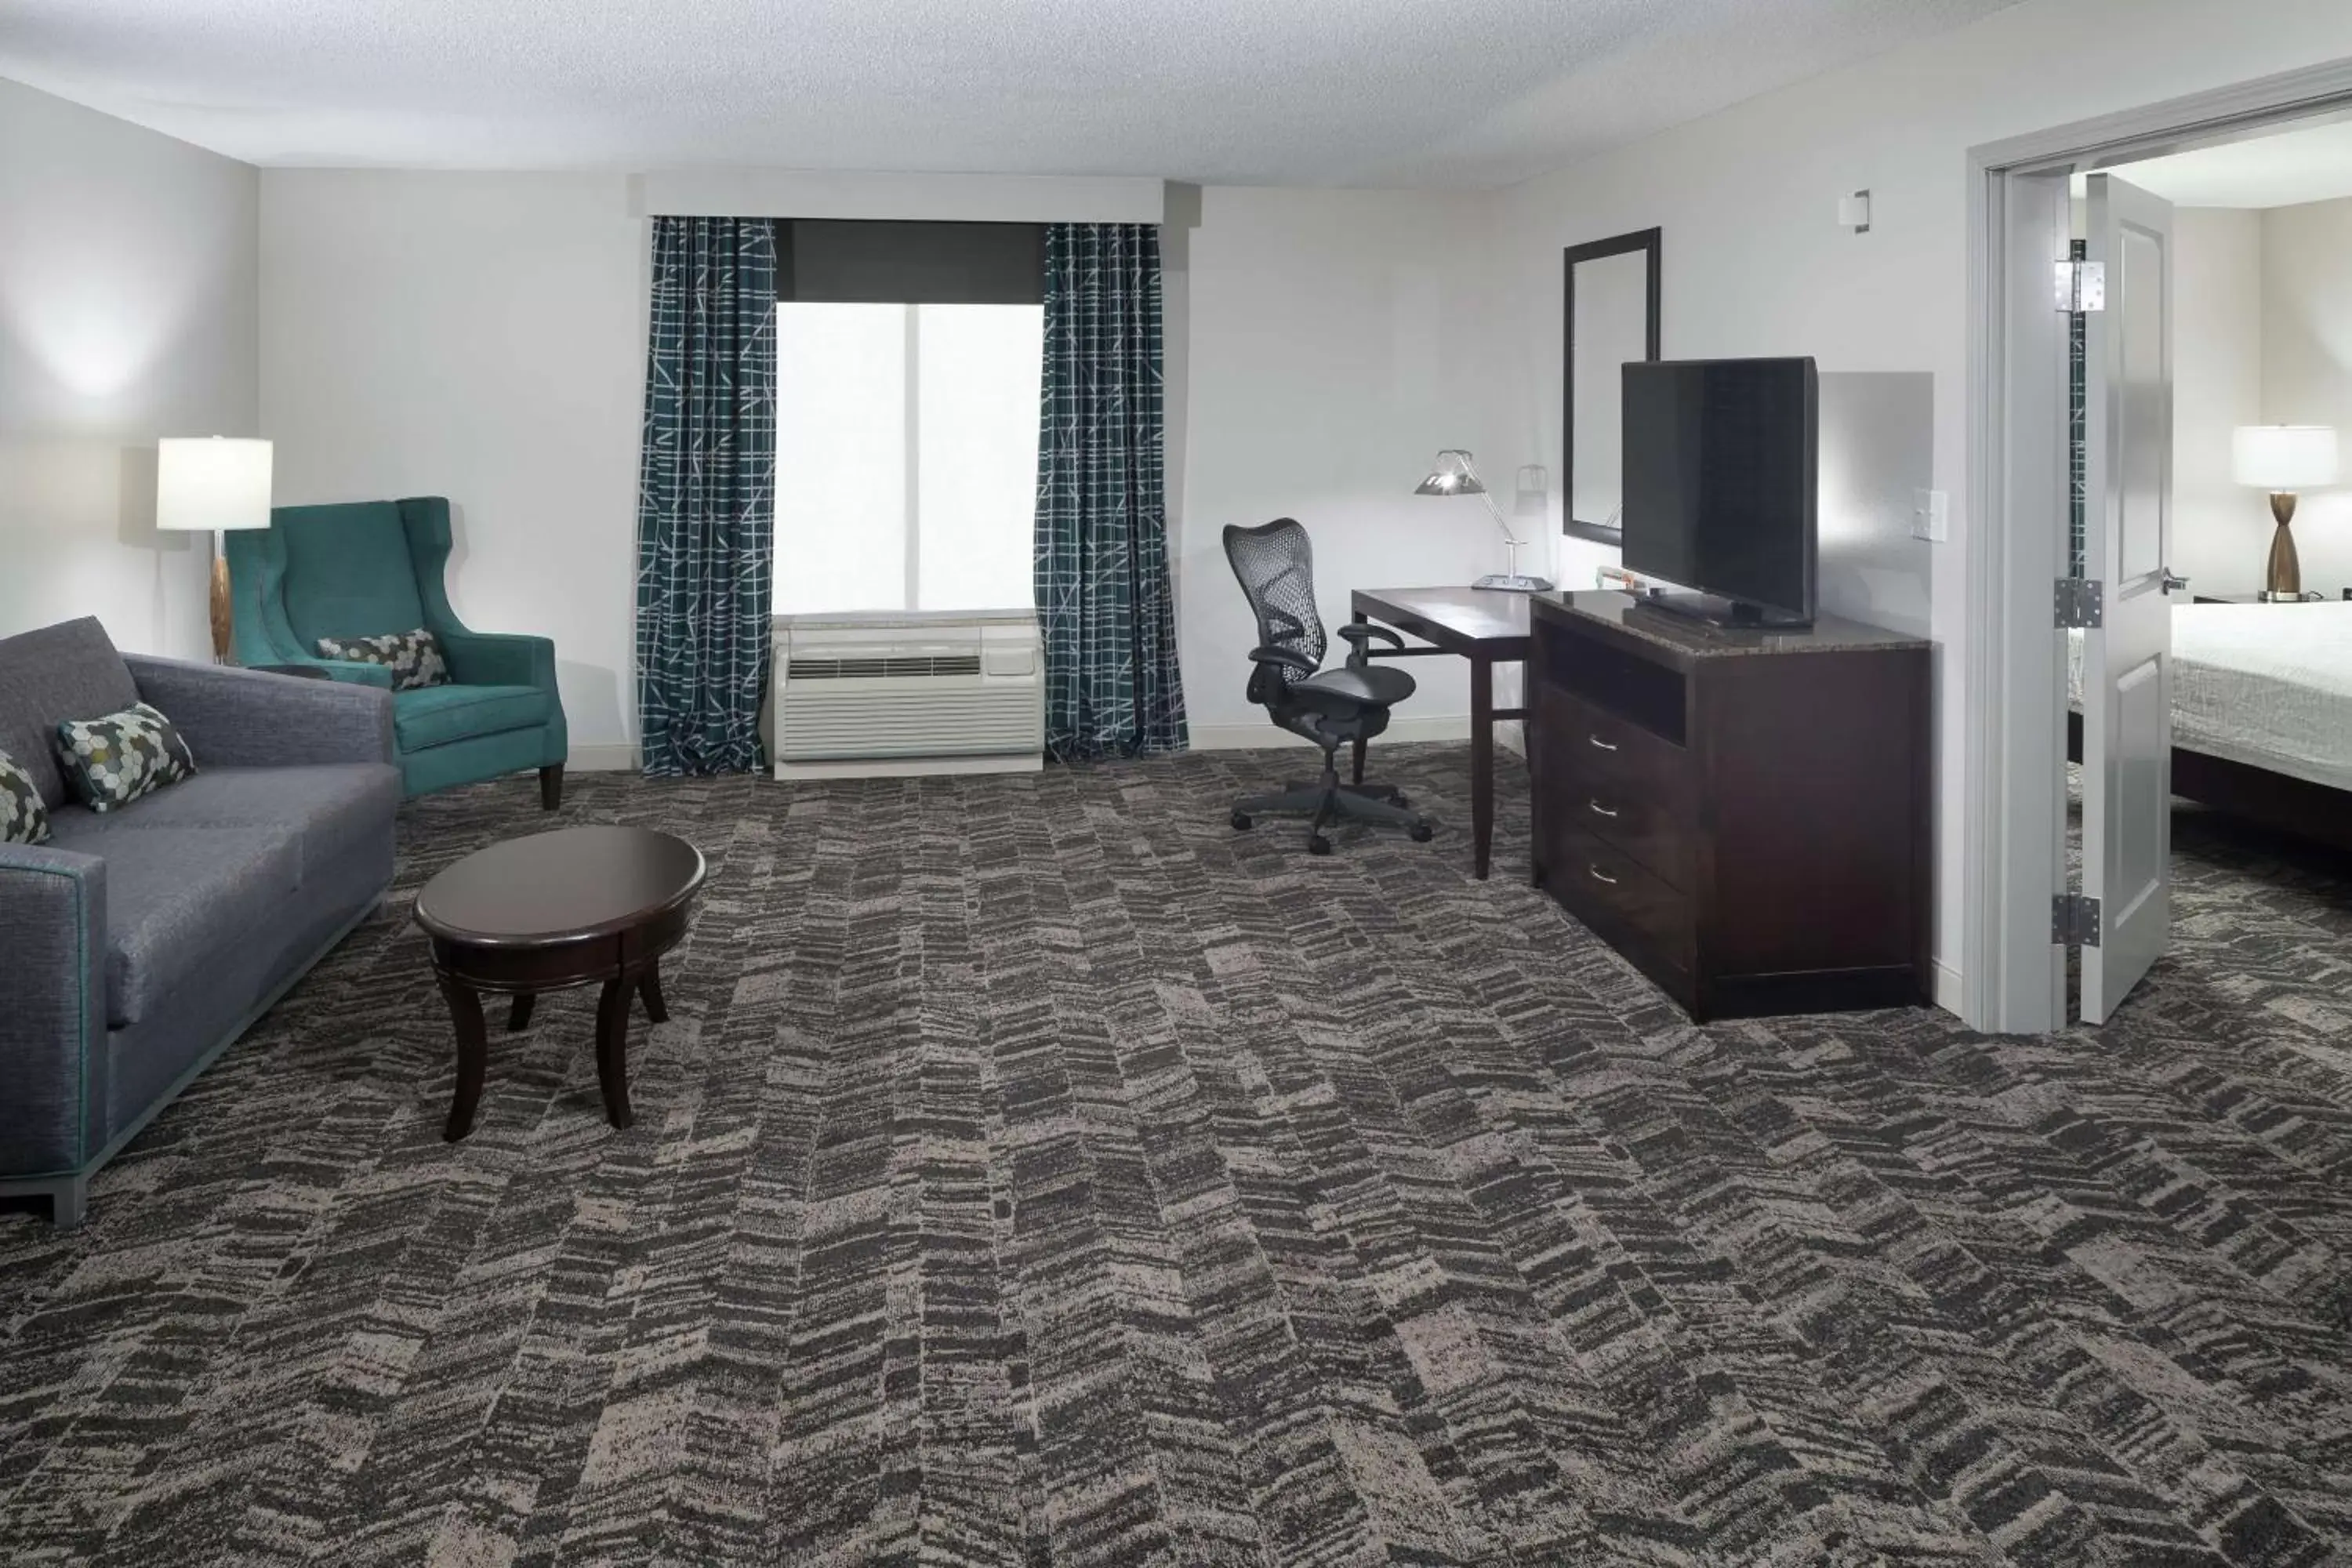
{"x": 2268, "y": 685}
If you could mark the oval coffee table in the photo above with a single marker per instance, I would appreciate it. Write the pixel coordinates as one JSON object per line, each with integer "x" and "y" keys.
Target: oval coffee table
{"x": 553, "y": 911}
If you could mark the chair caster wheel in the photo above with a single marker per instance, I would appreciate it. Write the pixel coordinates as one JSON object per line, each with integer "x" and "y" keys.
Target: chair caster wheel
{"x": 1240, "y": 822}
{"x": 1423, "y": 834}
{"x": 1319, "y": 844}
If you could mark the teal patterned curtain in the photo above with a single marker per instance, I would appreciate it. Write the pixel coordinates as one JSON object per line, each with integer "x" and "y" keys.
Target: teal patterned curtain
{"x": 1104, "y": 599}
{"x": 706, "y": 496}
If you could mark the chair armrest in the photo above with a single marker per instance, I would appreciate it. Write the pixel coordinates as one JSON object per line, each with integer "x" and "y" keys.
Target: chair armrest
{"x": 1360, "y": 633}
{"x": 53, "y": 1057}
{"x": 1296, "y": 660}
{"x": 499, "y": 659}
{"x": 247, "y": 719}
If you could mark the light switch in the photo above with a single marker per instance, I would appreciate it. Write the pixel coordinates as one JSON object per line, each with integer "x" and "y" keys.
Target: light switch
{"x": 1931, "y": 516}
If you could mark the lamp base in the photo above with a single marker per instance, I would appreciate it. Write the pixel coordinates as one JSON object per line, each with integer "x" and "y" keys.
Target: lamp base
{"x": 1512, "y": 583}
{"x": 220, "y": 607}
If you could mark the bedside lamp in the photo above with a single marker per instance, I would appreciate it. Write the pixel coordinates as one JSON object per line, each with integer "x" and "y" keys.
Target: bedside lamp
{"x": 2282, "y": 459}
{"x": 210, "y": 485}
{"x": 1456, "y": 474}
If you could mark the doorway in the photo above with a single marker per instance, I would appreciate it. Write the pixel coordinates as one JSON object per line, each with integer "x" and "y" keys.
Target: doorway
{"x": 2022, "y": 292}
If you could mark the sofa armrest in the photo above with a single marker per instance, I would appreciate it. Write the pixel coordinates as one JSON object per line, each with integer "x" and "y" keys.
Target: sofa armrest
{"x": 53, "y": 1057}
{"x": 247, "y": 719}
{"x": 499, "y": 659}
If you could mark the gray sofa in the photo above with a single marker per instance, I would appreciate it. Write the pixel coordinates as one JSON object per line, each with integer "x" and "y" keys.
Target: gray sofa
{"x": 136, "y": 946}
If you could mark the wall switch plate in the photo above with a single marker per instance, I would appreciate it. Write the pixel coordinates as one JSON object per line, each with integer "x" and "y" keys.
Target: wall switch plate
{"x": 1931, "y": 516}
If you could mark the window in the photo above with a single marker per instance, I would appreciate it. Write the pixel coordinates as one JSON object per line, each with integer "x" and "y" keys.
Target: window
{"x": 906, "y": 456}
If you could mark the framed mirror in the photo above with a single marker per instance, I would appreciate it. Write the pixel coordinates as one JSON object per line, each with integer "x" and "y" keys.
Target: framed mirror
{"x": 1612, "y": 316}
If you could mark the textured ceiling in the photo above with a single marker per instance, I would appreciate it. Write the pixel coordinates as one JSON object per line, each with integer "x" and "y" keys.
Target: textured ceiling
{"x": 1252, "y": 92}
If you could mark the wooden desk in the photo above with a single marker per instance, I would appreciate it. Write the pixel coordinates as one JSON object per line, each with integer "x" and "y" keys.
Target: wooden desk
{"x": 1482, "y": 624}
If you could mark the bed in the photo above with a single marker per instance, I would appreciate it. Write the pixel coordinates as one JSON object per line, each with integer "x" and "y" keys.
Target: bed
{"x": 2262, "y": 712}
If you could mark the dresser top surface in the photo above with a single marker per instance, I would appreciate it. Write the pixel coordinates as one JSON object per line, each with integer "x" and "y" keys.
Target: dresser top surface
{"x": 1694, "y": 638}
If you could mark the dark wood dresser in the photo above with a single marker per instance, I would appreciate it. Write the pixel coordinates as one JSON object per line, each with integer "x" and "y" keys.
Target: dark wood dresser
{"x": 1744, "y": 815}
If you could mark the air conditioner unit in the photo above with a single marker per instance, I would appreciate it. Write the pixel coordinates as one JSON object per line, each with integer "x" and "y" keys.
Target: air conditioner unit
{"x": 900, "y": 693}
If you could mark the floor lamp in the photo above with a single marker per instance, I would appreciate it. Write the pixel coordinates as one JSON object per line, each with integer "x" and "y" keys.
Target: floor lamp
{"x": 211, "y": 484}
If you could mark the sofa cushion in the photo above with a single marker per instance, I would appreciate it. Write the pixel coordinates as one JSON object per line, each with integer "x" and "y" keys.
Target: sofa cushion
{"x": 69, "y": 670}
{"x": 436, "y": 715}
{"x": 113, "y": 760}
{"x": 413, "y": 658}
{"x": 330, "y": 808}
{"x": 24, "y": 819}
{"x": 177, "y": 899}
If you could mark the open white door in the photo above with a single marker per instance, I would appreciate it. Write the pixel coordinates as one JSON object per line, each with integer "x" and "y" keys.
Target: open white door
{"x": 2127, "y": 548}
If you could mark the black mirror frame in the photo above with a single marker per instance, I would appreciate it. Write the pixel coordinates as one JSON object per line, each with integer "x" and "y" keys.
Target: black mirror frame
{"x": 1644, "y": 241}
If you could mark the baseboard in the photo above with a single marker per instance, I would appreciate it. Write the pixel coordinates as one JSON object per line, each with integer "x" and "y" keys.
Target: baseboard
{"x": 1947, "y": 987}
{"x": 1264, "y": 735}
{"x": 620, "y": 759}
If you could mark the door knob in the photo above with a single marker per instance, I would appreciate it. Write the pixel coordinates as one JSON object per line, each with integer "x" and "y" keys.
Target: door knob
{"x": 2172, "y": 584}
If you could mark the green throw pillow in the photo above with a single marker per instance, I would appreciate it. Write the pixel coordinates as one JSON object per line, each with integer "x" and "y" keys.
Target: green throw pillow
{"x": 23, "y": 818}
{"x": 413, "y": 658}
{"x": 113, "y": 760}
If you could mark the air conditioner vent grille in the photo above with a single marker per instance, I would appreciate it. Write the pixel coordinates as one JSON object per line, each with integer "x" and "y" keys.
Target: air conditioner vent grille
{"x": 894, "y": 666}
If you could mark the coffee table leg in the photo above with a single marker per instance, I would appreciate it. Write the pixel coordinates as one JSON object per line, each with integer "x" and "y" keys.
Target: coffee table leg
{"x": 519, "y": 1015}
{"x": 613, "y": 1045}
{"x": 472, "y": 1055}
{"x": 657, "y": 1010}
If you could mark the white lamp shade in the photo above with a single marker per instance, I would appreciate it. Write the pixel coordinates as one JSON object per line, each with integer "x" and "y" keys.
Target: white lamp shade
{"x": 211, "y": 483}
{"x": 2284, "y": 456}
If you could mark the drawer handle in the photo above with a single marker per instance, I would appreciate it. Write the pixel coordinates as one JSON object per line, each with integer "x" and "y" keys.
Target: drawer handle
{"x": 1601, "y": 743}
{"x": 1600, "y": 810}
{"x": 1601, "y": 876}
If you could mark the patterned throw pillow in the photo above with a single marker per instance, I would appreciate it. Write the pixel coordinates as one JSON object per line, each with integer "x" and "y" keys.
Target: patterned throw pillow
{"x": 23, "y": 818}
{"x": 413, "y": 658}
{"x": 113, "y": 760}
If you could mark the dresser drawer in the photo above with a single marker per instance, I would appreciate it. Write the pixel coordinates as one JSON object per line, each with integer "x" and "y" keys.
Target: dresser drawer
{"x": 1618, "y": 781}
{"x": 1619, "y": 898}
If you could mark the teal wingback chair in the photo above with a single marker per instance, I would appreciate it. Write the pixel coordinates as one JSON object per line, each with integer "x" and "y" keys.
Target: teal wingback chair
{"x": 366, "y": 568}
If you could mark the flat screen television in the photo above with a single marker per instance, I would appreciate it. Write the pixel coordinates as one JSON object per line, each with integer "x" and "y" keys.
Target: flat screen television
{"x": 1720, "y": 474}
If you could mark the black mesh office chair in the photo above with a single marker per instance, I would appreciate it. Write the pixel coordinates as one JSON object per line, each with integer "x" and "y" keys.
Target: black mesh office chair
{"x": 1330, "y": 707}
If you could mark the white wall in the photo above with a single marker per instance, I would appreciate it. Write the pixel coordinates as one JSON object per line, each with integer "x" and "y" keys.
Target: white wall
{"x": 2221, "y": 532}
{"x": 1332, "y": 341}
{"x": 1755, "y": 263}
{"x": 2307, "y": 327}
{"x": 480, "y": 337}
{"x": 127, "y": 312}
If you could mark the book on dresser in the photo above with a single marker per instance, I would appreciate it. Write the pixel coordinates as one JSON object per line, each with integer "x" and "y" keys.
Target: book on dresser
{"x": 1744, "y": 815}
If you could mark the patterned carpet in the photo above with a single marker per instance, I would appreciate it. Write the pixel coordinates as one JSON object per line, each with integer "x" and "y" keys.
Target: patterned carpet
{"x": 1035, "y": 1172}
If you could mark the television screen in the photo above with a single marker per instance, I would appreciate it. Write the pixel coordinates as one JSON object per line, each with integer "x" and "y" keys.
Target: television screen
{"x": 1720, "y": 461}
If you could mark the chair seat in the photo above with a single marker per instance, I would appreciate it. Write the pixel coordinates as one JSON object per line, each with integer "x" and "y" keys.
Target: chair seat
{"x": 1376, "y": 686}
{"x": 436, "y": 715}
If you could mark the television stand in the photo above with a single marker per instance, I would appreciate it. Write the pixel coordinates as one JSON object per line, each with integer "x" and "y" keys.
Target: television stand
{"x": 1745, "y": 817}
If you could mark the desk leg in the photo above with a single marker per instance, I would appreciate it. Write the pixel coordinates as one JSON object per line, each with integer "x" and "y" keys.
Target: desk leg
{"x": 1358, "y": 778}
{"x": 1482, "y": 760}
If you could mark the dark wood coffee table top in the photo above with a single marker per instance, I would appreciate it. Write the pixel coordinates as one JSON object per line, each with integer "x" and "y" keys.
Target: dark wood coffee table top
{"x": 549, "y": 889}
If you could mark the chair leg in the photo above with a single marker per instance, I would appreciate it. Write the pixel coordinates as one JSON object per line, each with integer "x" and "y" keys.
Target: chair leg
{"x": 1328, "y": 800}
{"x": 551, "y": 786}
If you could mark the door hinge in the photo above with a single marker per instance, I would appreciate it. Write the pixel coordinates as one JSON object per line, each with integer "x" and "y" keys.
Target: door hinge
{"x": 2080, "y": 602}
{"x": 2081, "y": 285}
{"x": 2075, "y": 920}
